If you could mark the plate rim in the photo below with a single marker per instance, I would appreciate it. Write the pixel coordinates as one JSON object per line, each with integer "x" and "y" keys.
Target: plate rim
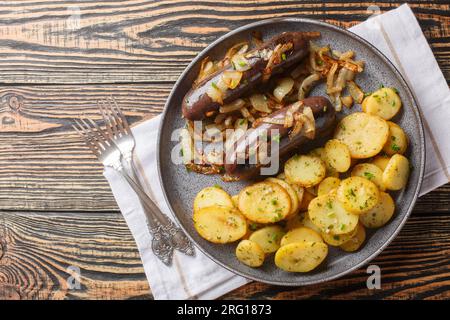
{"x": 415, "y": 109}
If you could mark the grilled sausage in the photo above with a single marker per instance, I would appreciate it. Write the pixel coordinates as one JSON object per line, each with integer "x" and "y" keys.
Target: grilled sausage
{"x": 325, "y": 118}
{"x": 197, "y": 102}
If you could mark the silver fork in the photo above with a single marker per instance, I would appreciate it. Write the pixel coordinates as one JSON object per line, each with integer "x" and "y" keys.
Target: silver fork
{"x": 108, "y": 153}
{"x": 118, "y": 130}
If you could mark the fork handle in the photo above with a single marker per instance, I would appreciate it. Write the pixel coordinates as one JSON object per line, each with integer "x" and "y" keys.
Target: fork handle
{"x": 160, "y": 221}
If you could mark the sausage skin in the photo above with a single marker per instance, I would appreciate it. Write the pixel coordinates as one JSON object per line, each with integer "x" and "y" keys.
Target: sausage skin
{"x": 325, "y": 119}
{"x": 196, "y": 103}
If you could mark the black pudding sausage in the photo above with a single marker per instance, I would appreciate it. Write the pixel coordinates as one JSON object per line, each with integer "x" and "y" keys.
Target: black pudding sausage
{"x": 196, "y": 103}
{"x": 325, "y": 120}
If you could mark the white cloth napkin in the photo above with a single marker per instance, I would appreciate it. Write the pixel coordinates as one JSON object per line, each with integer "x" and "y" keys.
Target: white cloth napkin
{"x": 398, "y": 35}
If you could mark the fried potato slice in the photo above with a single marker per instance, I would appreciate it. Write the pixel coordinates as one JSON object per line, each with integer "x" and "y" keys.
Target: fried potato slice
{"x": 364, "y": 134}
{"x": 336, "y": 240}
{"x": 381, "y": 161}
{"x": 304, "y": 170}
{"x": 356, "y": 241}
{"x": 264, "y": 202}
{"x": 307, "y": 197}
{"x": 235, "y": 200}
{"x": 338, "y": 155}
{"x": 212, "y": 196}
{"x": 381, "y": 214}
{"x": 396, "y": 173}
{"x": 268, "y": 238}
{"x": 358, "y": 195}
{"x": 327, "y": 185}
{"x": 329, "y": 215}
{"x": 384, "y": 103}
{"x": 301, "y": 256}
{"x": 371, "y": 172}
{"x": 320, "y": 152}
{"x": 301, "y": 234}
{"x": 292, "y": 194}
{"x": 397, "y": 141}
{"x": 250, "y": 253}
{"x": 220, "y": 224}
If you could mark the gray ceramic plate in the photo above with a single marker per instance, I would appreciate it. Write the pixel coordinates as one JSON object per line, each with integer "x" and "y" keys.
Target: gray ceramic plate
{"x": 181, "y": 186}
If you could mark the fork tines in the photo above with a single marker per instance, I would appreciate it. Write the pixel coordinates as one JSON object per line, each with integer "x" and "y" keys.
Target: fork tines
{"x": 113, "y": 116}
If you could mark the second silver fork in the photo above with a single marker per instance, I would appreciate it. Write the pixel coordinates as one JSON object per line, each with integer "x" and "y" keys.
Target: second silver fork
{"x": 118, "y": 130}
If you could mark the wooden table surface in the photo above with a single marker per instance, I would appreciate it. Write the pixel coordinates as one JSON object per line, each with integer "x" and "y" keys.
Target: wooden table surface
{"x": 56, "y": 208}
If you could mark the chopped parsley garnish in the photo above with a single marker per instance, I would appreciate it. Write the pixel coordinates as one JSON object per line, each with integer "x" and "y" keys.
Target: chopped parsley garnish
{"x": 319, "y": 62}
{"x": 395, "y": 147}
{"x": 253, "y": 226}
{"x": 242, "y": 64}
{"x": 329, "y": 204}
{"x": 274, "y": 202}
{"x": 181, "y": 152}
{"x": 369, "y": 175}
{"x": 381, "y": 86}
{"x": 352, "y": 193}
{"x": 217, "y": 186}
{"x": 283, "y": 56}
{"x": 214, "y": 85}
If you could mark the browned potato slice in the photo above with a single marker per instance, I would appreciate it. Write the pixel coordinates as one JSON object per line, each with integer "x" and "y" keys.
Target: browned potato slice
{"x": 299, "y": 191}
{"x": 396, "y": 173}
{"x": 304, "y": 170}
{"x": 296, "y": 221}
{"x": 384, "y": 102}
{"x": 290, "y": 190}
{"x": 320, "y": 153}
{"x": 338, "y": 239}
{"x": 268, "y": 238}
{"x": 355, "y": 243}
{"x": 212, "y": 196}
{"x": 300, "y": 234}
{"x": 235, "y": 200}
{"x": 307, "y": 197}
{"x": 264, "y": 202}
{"x": 281, "y": 176}
{"x": 381, "y": 214}
{"x": 364, "y": 134}
{"x": 327, "y": 185}
{"x": 328, "y": 214}
{"x": 358, "y": 195}
{"x": 301, "y": 256}
{"x": 250, "y": 253}
{"x": 338, "y": 155}
{"x": 220, "y": 224}
{"x": 381, "y": 161}
{"x": 397, "y": 141}
{"x": 371, "y": 172}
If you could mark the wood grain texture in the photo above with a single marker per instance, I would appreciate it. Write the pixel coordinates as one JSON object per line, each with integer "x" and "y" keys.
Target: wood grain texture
{"x": 141, "y": 41}
{"x": 38, "y": 249}
{"x": 46, "y": 166}
{"x": 56, "y": 208}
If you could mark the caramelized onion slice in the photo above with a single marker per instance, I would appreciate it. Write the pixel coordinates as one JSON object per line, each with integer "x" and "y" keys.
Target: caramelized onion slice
{"x": 283, "y": 88}
{"x": 231, "y": 78}
{"x": 356, "y": 93}
{"x": 240, "y": 63}
{"x": 232, "y": 106}
{"x": 260, "y": 103}
{"x": 307, "y": 84}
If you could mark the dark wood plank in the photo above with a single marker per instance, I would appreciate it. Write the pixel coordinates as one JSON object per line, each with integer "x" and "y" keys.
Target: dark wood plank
{"x": 38, "y": 248}
{"x": 415, "y": 266}
{"x": 44, "y": 165}
{"x": 136, "y": 41}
